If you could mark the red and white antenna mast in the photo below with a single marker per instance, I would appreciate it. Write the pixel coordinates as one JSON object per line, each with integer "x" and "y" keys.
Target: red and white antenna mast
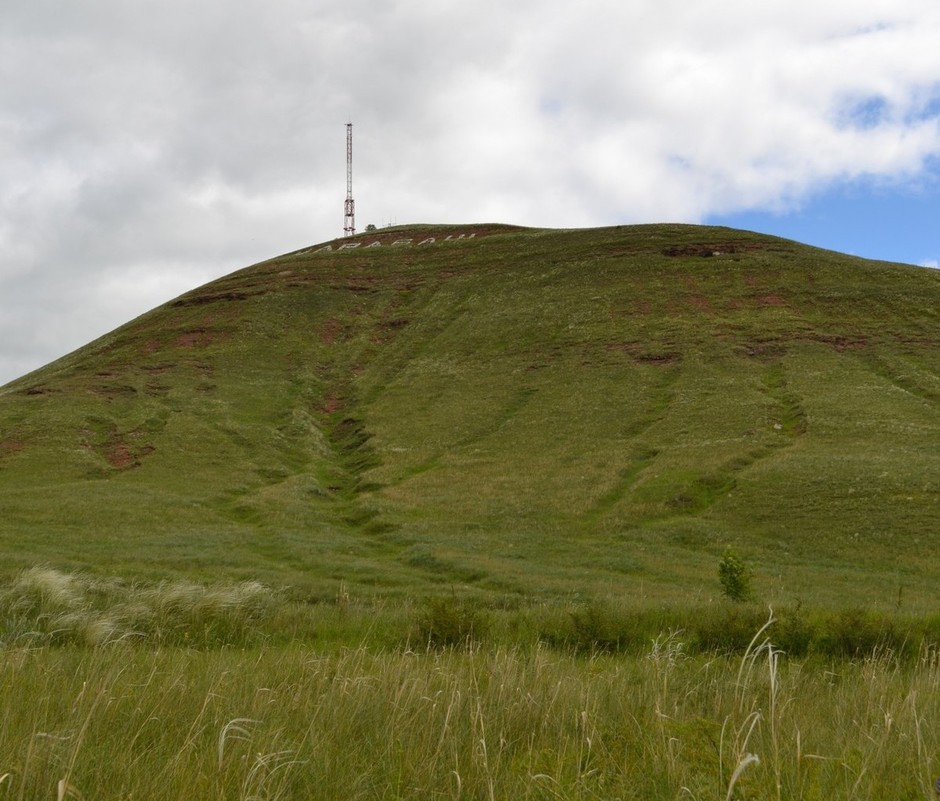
{"x": 349, "y": 207}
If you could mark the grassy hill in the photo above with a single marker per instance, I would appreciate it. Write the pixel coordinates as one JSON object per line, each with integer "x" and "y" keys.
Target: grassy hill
{"x": 538, "y": 412}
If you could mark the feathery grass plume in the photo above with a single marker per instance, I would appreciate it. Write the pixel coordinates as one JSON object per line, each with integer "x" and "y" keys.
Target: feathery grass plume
{"x": 43, "y": 589}
{"x": 746, "y": 761}
{"x": 46, "y": 605}
{"x": 236, "y": 729}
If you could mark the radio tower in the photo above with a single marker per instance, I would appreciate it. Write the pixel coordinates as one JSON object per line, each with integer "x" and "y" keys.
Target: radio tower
{"x": 349, "y": 207}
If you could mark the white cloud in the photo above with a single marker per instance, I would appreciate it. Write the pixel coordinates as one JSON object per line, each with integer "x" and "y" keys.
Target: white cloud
{"x": 184, "y": 140}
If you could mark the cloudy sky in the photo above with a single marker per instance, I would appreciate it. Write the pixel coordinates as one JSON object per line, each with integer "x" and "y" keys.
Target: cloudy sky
{"x": 147, "y": 147}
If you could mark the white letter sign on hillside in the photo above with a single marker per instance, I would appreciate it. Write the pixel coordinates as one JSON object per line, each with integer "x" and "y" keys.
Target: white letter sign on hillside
{"x": 394, "y": 243}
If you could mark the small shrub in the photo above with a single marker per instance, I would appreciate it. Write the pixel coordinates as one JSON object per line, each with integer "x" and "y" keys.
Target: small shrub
{"x": 723, "y": 629}
{"x": 735, "y": 577}
{"x": 448, "y": 623}
{"x": 795, "y": 632}
{"x": 601, "y": 626}
{"x": 596, "y": 627}
{"x": 859, "y": 633}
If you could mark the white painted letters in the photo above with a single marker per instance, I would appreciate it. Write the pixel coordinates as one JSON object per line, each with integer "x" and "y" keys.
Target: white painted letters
{"x": 430, "y": 240}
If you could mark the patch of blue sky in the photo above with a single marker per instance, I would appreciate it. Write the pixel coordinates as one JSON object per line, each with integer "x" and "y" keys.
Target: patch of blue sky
{"x": 867, "y": 218}
{"x": 867, "y": 113}
{"x": 928, "y": 104}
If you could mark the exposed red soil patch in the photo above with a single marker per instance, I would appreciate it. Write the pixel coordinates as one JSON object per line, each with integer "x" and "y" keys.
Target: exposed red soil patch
{"x": 659, "y": 359}
{"x": 709, "y": 249}
{"x": 119, "y": 456}
{"x": 331, "y": 331}
{"x": 774, "y": 349}
{"x": 641, "y": 354}
{"x": 215, "y": 297}
{"x": 841, "y": 343}
{"x": 114, "y": 390}
{"x": 770, "y": 300}
{"x": 11, "y": 446}
{"x": 40, "y": 390}
{"x": 362, "y": 284}
{"x": 197, "y": 338}
{"x": 123, "y": 456}
{"x": 765, "y": 351}
{"x": 386, "y": 330}
{"x": 120, "y": 451}
{"x": 697, "y": 299}
{"x": 331, "y": 404}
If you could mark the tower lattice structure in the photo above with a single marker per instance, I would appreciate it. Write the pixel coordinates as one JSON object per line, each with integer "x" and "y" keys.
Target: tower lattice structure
{"x": 349, "y": 207}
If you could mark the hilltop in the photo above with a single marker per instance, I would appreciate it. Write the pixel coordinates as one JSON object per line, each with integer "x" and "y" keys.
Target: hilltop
{"x": 502, "y": 411}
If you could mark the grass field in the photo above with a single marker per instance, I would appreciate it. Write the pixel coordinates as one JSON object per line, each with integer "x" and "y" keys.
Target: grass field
{"x": 504, "y": 717}
{"x": 445, "y": 520}
{"x": 521, "y": 414}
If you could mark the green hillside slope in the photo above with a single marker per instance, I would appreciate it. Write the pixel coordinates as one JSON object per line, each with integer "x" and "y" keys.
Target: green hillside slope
{"x": 516, "y": 411}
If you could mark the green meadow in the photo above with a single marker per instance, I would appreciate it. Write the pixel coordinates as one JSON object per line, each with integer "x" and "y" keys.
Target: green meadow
{"x": 444, "y": 519}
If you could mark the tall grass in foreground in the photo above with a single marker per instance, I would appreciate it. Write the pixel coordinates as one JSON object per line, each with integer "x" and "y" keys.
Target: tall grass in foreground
{"x": 111, "y": 689}
{"x": 494, "y": 723}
